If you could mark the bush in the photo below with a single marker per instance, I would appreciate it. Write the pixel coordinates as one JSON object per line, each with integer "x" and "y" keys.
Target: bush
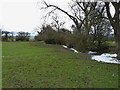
{"x": 50, "y": 36}
{"x": 77, "y": 40}
{"x": 22, "y": 36}
{"x": 80, "y": 41}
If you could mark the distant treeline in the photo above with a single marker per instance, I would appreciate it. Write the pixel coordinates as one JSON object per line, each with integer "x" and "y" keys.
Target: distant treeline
{"x": 9, "y": 36}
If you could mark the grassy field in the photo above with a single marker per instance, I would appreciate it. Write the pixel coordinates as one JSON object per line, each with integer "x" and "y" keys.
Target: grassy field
{"x": 37, "y": 65}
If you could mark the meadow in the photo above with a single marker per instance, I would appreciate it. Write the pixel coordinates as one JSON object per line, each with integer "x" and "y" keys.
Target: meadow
{"x": 39, "y": 65}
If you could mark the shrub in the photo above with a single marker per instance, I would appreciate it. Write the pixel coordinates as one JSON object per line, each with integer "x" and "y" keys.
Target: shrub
{"x": 23, "y": 36}
{"x": 50, "y": 36}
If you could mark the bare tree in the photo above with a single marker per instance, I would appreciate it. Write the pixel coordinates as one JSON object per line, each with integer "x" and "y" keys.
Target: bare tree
{"x": 57, "y": 23}
{"x": 83, "y": 11}
{"x": 115, "y": 22}
{"x": 85, "y": 14}
{"x": 57, "y": 8}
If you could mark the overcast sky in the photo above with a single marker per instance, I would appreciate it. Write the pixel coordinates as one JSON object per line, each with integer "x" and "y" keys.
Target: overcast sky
{"x": 24, "y": 15}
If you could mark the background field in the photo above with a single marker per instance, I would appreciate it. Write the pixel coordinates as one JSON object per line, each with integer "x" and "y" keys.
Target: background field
{"x": 38, "y": 65}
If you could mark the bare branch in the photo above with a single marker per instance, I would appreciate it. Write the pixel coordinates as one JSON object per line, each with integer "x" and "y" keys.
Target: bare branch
{"x": 70, "y": 16}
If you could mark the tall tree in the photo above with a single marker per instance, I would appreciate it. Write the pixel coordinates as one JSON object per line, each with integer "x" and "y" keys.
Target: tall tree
{"x": 23, "y": 36}
{"x": 5, "y": 38}
{"x": 115, "y": 22}
{"x": 77, "y": 7}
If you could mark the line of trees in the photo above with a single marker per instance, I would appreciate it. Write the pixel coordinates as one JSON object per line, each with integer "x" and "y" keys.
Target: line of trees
{"x": 92, "y": 23}
{"x": 9, "y": 36}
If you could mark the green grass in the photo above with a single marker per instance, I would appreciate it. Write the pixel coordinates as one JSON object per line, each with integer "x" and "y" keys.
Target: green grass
{"x": 111, "y": 43}
{"x": 37, "y": 65}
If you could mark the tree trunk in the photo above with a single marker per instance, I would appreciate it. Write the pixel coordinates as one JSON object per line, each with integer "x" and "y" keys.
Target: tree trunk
{"x": 117, "y": 39}
{"x": 115, "y": 22}
{"x": 118, "y": 49}
{"x": 117, "y": 27}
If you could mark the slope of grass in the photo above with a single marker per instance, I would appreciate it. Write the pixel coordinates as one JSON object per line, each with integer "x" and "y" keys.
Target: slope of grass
{"x": 37, "y": 65}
